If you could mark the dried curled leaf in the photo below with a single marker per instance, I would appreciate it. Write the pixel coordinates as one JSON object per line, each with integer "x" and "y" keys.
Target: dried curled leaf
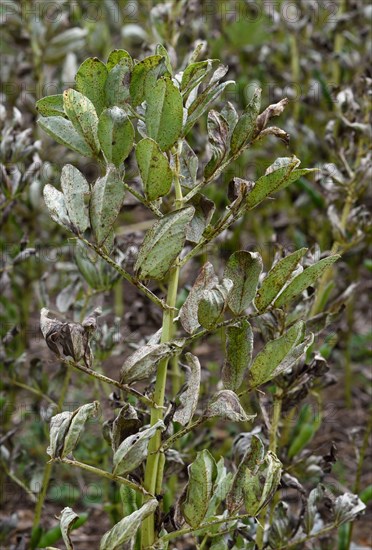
{"x": 69, "y": 339}
{"x": 67, "y": 520}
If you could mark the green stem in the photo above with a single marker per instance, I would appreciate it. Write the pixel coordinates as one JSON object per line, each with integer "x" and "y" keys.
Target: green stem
{"x": 337, "y": 49}
{"x": 155, "y": 462}
{"x": 317, "y": 306}
{"x": 152, "y": 464}
{"x": 107, "y": 380}
{"x": 106, "y": 475}
{"x": 273, "y": 439}
{"x": 295, "y": 66}
{"x": 127, "y": 276}
{"x": 358, "y": 476}
{"x": 48, "y": 467}
{"x": 35, "y": 391}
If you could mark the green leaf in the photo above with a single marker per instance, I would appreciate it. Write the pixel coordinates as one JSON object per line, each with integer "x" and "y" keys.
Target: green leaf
{"x": 160, "y": 50}
{"x": 105, "y": 204}
{"x": 194, "y": 74}
{"x": 56, "y": 204}
{"x": 144, "y": 77}
{"x": 275, "y": 353}
{"x": 154, "y": 168}
{"x": 202, "y": 474}
{"x": 51, "y": 105}
{"x": 244, "y": 269}
{"x": 276, "y": 279}
{"x": 77, "y": 426}
{"x": 239, "y": 347}
{"x": 134, "y": 449}
{"x": 189, "y": 397}
{"x": 212, "y": 304}
{"x": 117, "y": 83}
{"x": 127, "y": 528}
{"x": 164, "y": 113}
{"x": 162, "y": 244}
{"x": 129, "y": 499}
{"x": 277, "y": 177}
{"x": 308, "y": 277}
{"x": 116, "y": 135}
{"x": 225, "y": 404}
{"x": 90, "y": 81}
{"x": 75, "y": 189}
{"x": 246, "y": 125}
{"x": 206, "y": 280}
{"x": 203, "y": 102}
{"x": 115, "y": 57}
{"x": 67, "y": 520}
{"x": 81, "y": 112}
{"x": 63, "y": 132}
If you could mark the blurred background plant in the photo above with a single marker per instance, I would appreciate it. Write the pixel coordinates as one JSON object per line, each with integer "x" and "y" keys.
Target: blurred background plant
{"x": 315, "y": 53}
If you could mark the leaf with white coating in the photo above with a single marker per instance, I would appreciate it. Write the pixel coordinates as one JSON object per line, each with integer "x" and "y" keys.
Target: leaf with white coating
{"x": 189, "y": 397}
{"x": 134, "y": 449}
{"x": 75, "y": 189}
{"x": 205, "y": 280}
{"x": 56, "y": 204}
{"x": 126, "y": 529}
{"x": 81, "y": 112}
{"x": 244, "y": 269}
{"x": 162, "y": 244}
{"x": 105, "y": 204}
{"x": 63, "y": 132}
{"x": 67, "y": 520}
{"x": 202, "y": 474}
{"x": 225, "y": 404}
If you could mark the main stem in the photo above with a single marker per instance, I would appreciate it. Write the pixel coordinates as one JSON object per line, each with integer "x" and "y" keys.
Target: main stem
{"x": 153, "y": 472}
{"x": 49, "y": 465}
{"x": 273, "y": 439}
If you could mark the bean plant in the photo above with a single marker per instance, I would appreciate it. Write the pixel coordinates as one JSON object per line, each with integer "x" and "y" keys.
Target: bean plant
{"x": 123, "y": 110}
